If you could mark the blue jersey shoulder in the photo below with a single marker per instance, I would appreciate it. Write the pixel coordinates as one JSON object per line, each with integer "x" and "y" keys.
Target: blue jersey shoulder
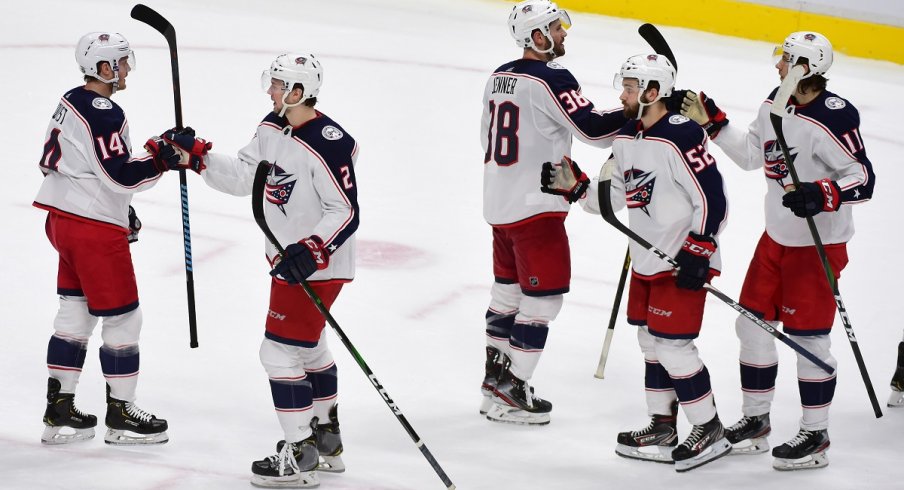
{"x": 834, "y": 112}
{"x": 678, "y": 129}
{"x": 551, "y": 72}
{"x": 102, "y": 114}
{"x": 327, "y": 138}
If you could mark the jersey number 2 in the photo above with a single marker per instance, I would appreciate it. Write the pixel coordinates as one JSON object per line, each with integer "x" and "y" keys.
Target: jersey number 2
{"x": 502, "y": 147}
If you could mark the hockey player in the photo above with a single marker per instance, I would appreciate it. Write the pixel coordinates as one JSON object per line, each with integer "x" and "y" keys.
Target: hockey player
{"x": 532, "y": 108}
{"x": 676, "y": 200}
{"x": 312, "y": 205}
{"x": 896, "y": 399}
{"x": 785, "y": 281}
{"x": 90, "y": 174}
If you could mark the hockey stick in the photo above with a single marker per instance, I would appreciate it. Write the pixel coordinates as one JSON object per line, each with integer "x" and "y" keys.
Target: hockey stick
{"x": 605, "y": 182}
{"x": 604, "y": 356}
{"x": 654, "y": 38}
{"x": 150, "y": 17}
{"x": 789, "y": 84}
{"x": 257, "y": 208}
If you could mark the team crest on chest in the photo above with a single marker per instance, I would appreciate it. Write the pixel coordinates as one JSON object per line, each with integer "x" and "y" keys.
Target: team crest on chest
{"x": 775, "y": 166}
{"x": 639, "y": 189}
{"x": 279, "y": 187}
{"x": 331, "y": 133}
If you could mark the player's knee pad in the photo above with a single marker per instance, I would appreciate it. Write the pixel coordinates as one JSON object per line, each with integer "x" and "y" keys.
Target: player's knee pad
{"x": 73, "y": 321}
{"x": 281, "y": 360}
{"x": 819, "y": 346}
{"x": 505, "y": 298}
{"x": 539, "y": 309}
{"x": 757, "y": 345}
{"x": 678, "y": 356}
{"x": 120, "y": 331}
{"x": 646, "y": 342}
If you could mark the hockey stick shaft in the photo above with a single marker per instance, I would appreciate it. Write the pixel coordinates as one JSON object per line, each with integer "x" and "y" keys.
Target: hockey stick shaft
{"x": 654, "y": 38}
{"x": 150, "y": 17}
{"x": 604, "y": 355}
{"x": 257, "y": 207}
{"x": 776, "y": 115}
{"x": 604, "y": 192}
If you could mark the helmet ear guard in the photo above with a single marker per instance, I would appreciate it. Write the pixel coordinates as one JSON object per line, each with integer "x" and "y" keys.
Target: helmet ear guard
{"x": 530, "y": 15}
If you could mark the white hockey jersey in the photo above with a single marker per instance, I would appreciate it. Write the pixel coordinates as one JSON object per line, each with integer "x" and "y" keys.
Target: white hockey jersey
{"x": 89, "y": 170}
{"x": 671, "y": 186}
{"x": 824, "y": 138}
{"x": 531, "y": 110}
{"x": 311, "y": 189}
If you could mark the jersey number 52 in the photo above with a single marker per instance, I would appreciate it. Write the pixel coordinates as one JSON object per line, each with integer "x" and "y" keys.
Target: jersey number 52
{"x": 502, "y": 137}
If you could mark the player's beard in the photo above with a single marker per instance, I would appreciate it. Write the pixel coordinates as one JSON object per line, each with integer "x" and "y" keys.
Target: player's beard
{"x": 559, "y": 50}
{"x": 631, "y": 110}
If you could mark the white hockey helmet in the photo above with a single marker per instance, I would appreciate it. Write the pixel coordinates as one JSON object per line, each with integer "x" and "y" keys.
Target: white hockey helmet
{"x": 813, "y": 46}
{"x": 535, "y": 14}
{"x": 292, "y": 68}
{"x": 97, "y": 47}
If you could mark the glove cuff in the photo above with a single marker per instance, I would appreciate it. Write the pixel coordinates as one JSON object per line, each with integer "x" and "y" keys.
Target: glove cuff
{"x": 831, "y": 194}
{"x": 700, "y": 245}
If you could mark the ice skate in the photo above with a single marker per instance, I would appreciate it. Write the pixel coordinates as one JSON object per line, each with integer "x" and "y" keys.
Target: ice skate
{"x": 896, "y": 399}
{"x": 653, "y": 443}
{"x": 705, "y": 443}
{"x": 514, "y": 402}
{"x": 493, "y": 369}
{"x": 129, "y": 425}
{"x": 748, "y": 435}
{"x": 64, "y": 423}
{"x": 807, "y": 450}
{"x": 292, "y": 467}
{"x": 329, "y": 443}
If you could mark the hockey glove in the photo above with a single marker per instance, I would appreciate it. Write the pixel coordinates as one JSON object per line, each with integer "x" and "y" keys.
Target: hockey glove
{"x": 301, "y": 260}
{"x": 134, "y": 226}
{"x": 165, "y": 156}
{"x": 191, "y": 149}
{"x": 812, "y": 198}
{"x": 704, "y": 111}
{"x": 564, "y": 179}
{"x": 693, "y": 261}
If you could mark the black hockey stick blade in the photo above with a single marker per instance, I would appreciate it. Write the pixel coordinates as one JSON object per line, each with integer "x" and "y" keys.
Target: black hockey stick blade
{"x": 654, "y": 38}
{"x": 149, "y": 16}
{"x": 604, "y": 192}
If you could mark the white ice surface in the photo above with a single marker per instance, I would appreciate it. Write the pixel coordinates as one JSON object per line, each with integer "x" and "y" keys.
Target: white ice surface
{"x": 405, "y": 78}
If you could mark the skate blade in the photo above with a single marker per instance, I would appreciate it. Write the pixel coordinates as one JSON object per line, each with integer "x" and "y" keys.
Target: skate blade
{"x": 127, "y": 438}
{"x": 486, "y": 404}
{"x": 754, "y": 445}
{"x": 55, "y": 435}
{"x": 896, "y": 399}
{"x": 662, "y": 454}
{"x": 513, "y": 415}
{"x": 331, "y": 464}
{"x": 717, "y": 450}
{"x": 813, "y": 461}
{"x": 305, "y": 479}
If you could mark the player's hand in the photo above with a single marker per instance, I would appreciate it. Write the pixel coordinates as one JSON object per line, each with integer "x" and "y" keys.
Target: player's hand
{"x": 812, "y": 198}
{"x": 564, "y": 179}
{"x": 134, "y": 226}
{"x": 704, "y": 111}
{"x": 164, "y": 154}
{"x": 190, "y": 148}
{"x": 693, "y": 261}
{"x": 301, "y": 260}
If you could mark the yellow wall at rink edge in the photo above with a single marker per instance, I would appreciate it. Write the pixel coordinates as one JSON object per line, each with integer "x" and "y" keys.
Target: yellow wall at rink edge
{"x": 753, "y": 21}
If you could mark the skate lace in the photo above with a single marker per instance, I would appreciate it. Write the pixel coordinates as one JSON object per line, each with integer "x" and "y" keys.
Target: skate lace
{"x": 694, "y": 437}
{"x": 800, "y": 438}
{"x": 138, "y": 413}
{"x": 741, "y": 424}
{"x": 285, "y": 457}
{"x": 646, "y": 430}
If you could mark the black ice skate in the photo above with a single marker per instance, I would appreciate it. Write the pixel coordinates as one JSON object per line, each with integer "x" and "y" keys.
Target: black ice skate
{"x": 493, "y": 370}
{"x": 748, "y": 435}
{"x": 653, "y": 443}
{"x": 329, "y": 443}
{"x": 705, "y": 443}
{"x": 807, "y": 450}
{"x": 292, "y": 467}
{"x": 514, "y": 401}
{"x": 61, "y": 415}
{"x": 129, "y": 425}
{"x": 896, "y": 399}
